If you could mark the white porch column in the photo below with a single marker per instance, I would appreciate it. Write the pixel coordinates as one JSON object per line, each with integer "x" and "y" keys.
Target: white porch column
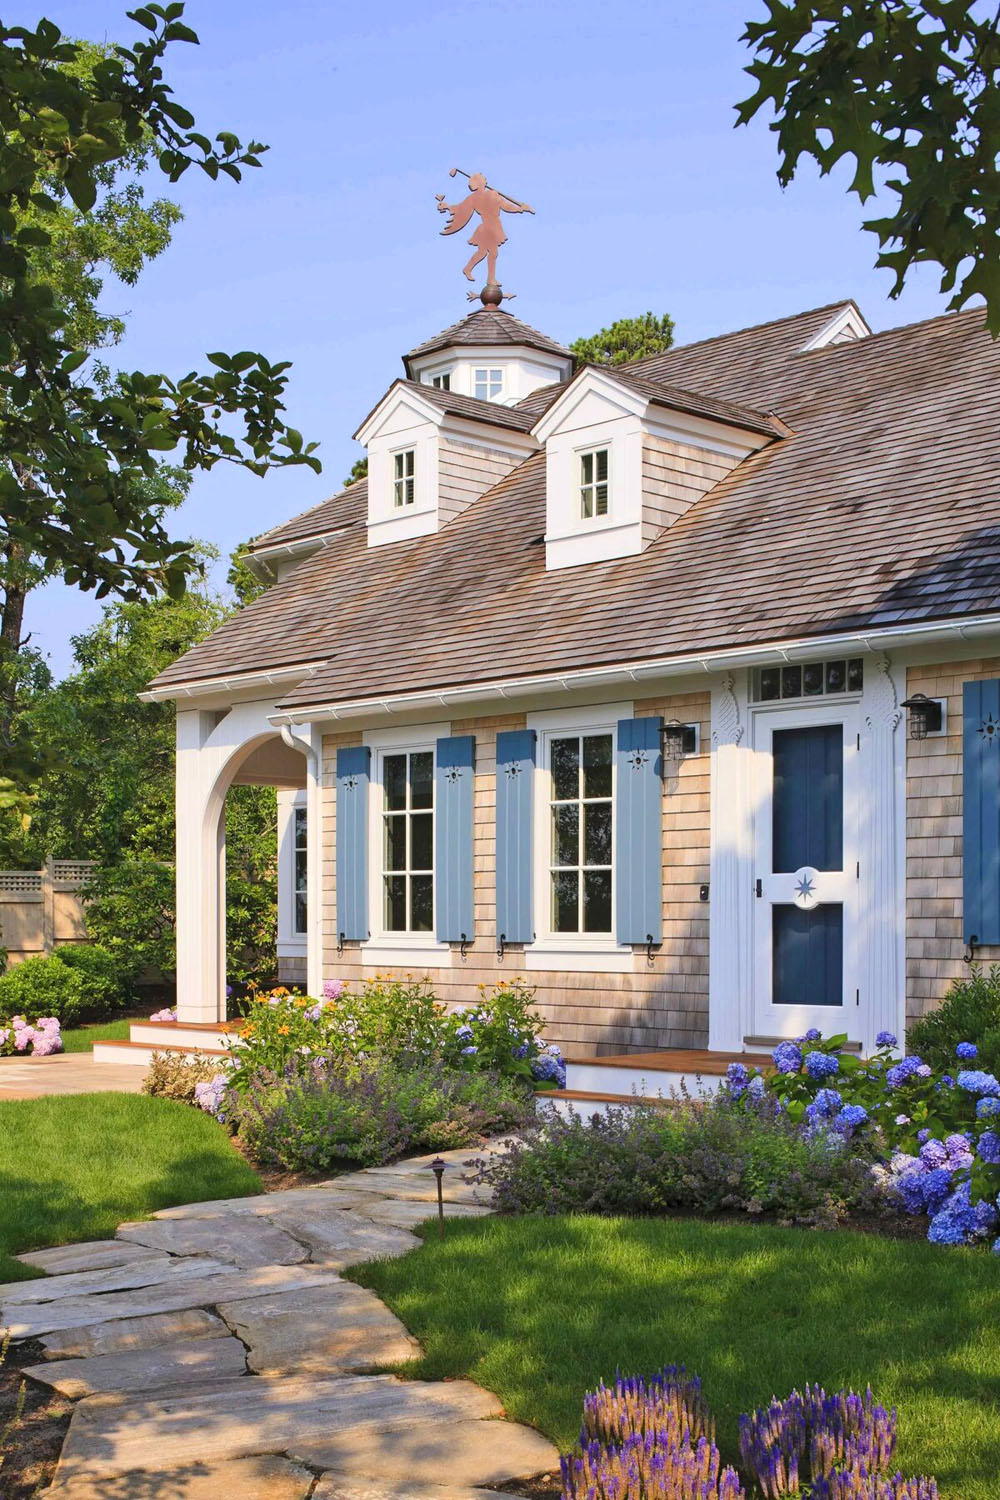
{"x": 883, "y": 757}
{"x": 201, "y": 874}
{"x": 730, "y": 985}
{"x": 314, "y": 862}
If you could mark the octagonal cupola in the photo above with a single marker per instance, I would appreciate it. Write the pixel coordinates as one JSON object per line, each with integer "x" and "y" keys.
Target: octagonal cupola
{"x": 490, "y": 355}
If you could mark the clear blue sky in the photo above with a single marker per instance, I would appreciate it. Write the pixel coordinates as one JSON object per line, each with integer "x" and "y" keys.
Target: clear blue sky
{"x": 614, "y": 121}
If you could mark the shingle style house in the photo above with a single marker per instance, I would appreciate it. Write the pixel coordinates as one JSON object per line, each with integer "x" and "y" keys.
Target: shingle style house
{"x": 611, "y": 678}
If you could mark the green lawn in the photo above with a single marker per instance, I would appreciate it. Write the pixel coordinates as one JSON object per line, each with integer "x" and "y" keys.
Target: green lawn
{"x": 538, "y": 1310}
{"x": 76, "y": 1166}
{"x": 82, "y": 1038}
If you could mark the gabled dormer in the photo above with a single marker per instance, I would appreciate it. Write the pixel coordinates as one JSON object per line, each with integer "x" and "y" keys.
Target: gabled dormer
{"x": 431, "y": 453}
{"x": 491, "y": 356}
{"x": 626, "y": 456}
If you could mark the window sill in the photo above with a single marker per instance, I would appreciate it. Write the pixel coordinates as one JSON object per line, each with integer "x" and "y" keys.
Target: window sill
{"x": 590, "y": 956}
{"x": 292, "y": 947}
{"x": 406, "y": 953}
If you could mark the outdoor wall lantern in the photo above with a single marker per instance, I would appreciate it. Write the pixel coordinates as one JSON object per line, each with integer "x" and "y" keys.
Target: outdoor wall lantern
{"x": 925, "y": 715}
{"x": 678, "y": 740}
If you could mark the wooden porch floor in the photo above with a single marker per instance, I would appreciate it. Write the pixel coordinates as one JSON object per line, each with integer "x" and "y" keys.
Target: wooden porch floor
{"x": 673, "y": 1060}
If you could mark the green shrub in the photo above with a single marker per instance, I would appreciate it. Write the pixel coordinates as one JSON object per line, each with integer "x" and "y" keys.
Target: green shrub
{"x": 104, "y": 990}
{"x": 969, "y": 1012}
{"x": 173, "y": 1075}
{"x": 372, "y": 1113}
{"x": 42, "y": 987}
{"x": 130, "y": 912}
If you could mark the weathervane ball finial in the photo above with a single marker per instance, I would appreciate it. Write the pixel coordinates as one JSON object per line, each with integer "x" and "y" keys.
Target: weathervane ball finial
{"x": 488, "y": 235}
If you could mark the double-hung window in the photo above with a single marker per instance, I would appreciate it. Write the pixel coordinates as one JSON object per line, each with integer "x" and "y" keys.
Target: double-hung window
{"x": 594, "y": 484}
{"x": 487, "y": 384}
{"x": 408, "y": 841}
{"x": 300, "y": 885}
{"x": 442, "y": 381}
{"x": 403, "y": 477}
{"x": 581, "y": 837}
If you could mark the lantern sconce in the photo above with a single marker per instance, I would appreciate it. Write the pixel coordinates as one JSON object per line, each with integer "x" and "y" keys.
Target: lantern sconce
{"x": 678, "y": 740}
{"x": 926, "y": 715}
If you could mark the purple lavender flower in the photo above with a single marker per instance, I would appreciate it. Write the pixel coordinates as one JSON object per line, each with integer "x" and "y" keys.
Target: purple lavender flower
{"x": 787, "y": 1057}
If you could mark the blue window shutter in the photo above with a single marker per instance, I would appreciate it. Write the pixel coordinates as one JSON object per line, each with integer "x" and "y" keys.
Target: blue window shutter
{"x": 353, "y": 774}
{"x": 639, "y": 831}
{"x": 515, "y": 866}
{"x": 981, "y": 811}
{"x": 454, "y": 805}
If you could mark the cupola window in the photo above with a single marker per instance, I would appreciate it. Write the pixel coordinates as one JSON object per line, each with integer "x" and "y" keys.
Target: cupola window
{"x": 594, "y": 483}
{"x": 487, "y": 384}
{"x": 403, "y": 480}
{"x": 442, "y": 381}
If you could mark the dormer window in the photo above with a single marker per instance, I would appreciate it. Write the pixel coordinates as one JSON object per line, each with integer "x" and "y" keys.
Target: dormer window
{"x": 593, "y": 483}
{"x": 442, "y": 381}
{"x": 487, "y": 384}
{"x": 403, "y": 480}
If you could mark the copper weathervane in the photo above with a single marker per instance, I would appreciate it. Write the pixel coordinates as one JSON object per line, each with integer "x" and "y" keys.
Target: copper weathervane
{"x": 488, "y": 235}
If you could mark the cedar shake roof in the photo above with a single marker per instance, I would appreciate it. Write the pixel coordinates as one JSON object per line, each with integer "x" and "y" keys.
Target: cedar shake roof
{"x": 881, "y": 508}
{"x": 470, "y": 407}
{"x": 329, "y": 516}
{"x": 488, "y": 326}
{"x": 676, "y": 399}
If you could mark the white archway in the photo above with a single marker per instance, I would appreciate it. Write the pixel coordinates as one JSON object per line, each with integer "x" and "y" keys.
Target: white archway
{"x": 215, "y": 750}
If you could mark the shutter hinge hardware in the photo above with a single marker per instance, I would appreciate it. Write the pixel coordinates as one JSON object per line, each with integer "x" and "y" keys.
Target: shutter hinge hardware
{"x": 650, "y": 955}
{"x": 463, "y": 951}
{"x": 970, "y": 948}
{"x": 340, "y": 943}
{"x": 501, "y": 946}
{"x": 758, "y": 889}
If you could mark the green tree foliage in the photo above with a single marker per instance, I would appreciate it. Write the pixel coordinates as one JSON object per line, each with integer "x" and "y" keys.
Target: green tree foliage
{"x": 359, "y": 470}
{"x": 241, "y": 578}
{"x": 909, "y": 90}
{"x": 625, "y": 340}
{"x": 79, "y": 455}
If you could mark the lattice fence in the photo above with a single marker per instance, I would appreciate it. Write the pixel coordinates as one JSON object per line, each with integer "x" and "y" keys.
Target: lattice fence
{"x": 39, "y": 909}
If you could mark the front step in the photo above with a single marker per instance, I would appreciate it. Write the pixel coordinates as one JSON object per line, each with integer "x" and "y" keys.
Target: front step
{"x": 140, "y": 1054}
{"x": 652, "y": 1074}
{"x": 588, "y": 1102}
{"x": 205, "y": 1036}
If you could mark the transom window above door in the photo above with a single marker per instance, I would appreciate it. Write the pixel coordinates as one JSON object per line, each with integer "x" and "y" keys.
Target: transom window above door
{"x": 581, "y": 818}
{"x": 811, "y": 679}
{"x": 403, "y": 477}
{"x": 487, "y": 384}
{"x": 594, "y": 484}
{"x": 408, "y": 841}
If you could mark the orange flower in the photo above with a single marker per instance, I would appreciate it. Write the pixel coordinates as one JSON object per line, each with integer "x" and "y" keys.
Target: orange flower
{"x": 283, "y": 1030}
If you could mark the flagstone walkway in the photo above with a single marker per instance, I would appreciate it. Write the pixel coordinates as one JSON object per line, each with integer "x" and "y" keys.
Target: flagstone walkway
{"x": 216, "y": 1350}
{"x": 66, "y": 1073}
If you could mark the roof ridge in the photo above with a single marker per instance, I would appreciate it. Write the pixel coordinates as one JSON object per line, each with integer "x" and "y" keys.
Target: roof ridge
{"x": 881, "y": 333}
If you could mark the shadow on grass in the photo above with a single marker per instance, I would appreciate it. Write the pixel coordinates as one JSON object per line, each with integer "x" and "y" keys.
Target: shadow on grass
{"x": 539, "y": 1310}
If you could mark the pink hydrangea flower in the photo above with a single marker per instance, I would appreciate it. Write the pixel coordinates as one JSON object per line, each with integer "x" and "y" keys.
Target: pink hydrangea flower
{"x": 333, "y": 989}
{"x": 164, "y": 1015}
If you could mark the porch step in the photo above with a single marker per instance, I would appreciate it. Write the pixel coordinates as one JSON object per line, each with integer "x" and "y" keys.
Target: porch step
{"x": 589, "y": 1102}
{"x": 649, "y": 1074}
{"x": 176, "y": 1034}
{"x": 140, "y": 1054}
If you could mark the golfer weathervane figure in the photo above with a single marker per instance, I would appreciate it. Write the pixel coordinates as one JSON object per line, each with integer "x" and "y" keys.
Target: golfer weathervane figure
{"x": 488, "y": 235}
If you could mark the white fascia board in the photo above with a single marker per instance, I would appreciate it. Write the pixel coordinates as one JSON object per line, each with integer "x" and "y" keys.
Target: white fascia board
{"x": 975, "y": 628}
{"x": 397, "y": 396}
{"x": 486, "y": 354}
{"x": 302, "y": 547}
{"x": 727, "y": 438}
{"x": 236, "y": 682}
{"x": 849, "y": 319}
{"x": 589, "y": 382}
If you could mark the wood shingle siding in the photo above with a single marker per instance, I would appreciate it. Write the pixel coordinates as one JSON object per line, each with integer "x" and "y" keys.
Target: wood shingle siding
{"x": 466, "y": 471}
{"x": 674, "y": 476}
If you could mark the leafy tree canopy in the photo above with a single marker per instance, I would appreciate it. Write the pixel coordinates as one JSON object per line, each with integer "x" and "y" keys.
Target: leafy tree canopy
{"x": 626, "y": 339}
{"x": 909, "y": 90}
{"x": 77, "y": 454}
{"x": 359, "y": 470}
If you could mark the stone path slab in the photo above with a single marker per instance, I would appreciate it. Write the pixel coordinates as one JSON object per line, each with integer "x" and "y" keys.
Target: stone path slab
{"x": 174, "y": 1364}
{"x": 338, "y": 1238}
{"x": 66, "y": 1073}
{"x": 404, "y": 1215}
{"x": 123, "y": 1334}
{"x": 237, "y": 1239}
{"x": 319, "y": 1330}
{"x": 452, "y": 1453}
{"x": 200, "y": 1289}
{"x": 142, "y": 1272}
{"x": 263, "y": 1478}
{"x": 96, "y": 1256}
{"x": 242, "y": 1417}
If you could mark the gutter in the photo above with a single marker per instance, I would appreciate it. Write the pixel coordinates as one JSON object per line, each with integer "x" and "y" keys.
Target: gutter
{"x": 200, "y": 686}
{"x": 303, "y": 546}
{"x": 615, "y": 676}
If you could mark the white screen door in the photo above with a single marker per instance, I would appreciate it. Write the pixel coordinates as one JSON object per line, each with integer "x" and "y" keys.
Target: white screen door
{"x": 806, "y": 887}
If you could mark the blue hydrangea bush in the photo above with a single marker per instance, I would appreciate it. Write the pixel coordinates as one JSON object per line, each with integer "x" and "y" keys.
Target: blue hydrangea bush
{"x": 655, "y": 1440}
{"x": 933, "y": 1133}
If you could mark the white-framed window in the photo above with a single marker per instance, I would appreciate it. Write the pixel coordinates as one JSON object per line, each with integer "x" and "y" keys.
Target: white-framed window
{"x": 580, "y": 769}
{"x": 442, "y": 381}
{"x": 300, "y": 871}
{"x": 487, "y": 384}
{"x": 407, "y": 840}
{"x": 595, "y": 483}
{"x": 404, "y": 465}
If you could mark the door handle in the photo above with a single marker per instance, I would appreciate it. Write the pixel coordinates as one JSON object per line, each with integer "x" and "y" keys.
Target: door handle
{"x": 758, "y": 889}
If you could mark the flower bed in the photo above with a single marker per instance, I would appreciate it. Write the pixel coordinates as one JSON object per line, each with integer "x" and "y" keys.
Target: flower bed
{"x": 655, "y": 1440}
{"x": 40, "y": 1038}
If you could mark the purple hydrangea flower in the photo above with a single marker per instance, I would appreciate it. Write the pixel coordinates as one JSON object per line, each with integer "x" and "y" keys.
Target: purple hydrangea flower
{"x": 922, "y": 1135}
{"x": 787, "y": 1057}
{"x": 934, "y": 1154}
{"x": 903, "y": 1071}
{"x": 985, "y": 1108}
{"x": 974, "y": 1081}
{"x": 989, "y": 1148}
{"x": 469, "y": 1051}
{"x": 813, "y": 1035}
{"x": 822, "y": 1065}
{"x": 851, "y": 1116}
{"x": 464, "y": 1034}
{"x": 967, "y": 1051}
{"x": 333, "y": 989}
{"x": 886, "y": 1039}
{"x": 755, "y": 1088}
{"x": 959, "y": 1149}
{"x": 737, "y": 1078}
{"x": 959, "y": 1221}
